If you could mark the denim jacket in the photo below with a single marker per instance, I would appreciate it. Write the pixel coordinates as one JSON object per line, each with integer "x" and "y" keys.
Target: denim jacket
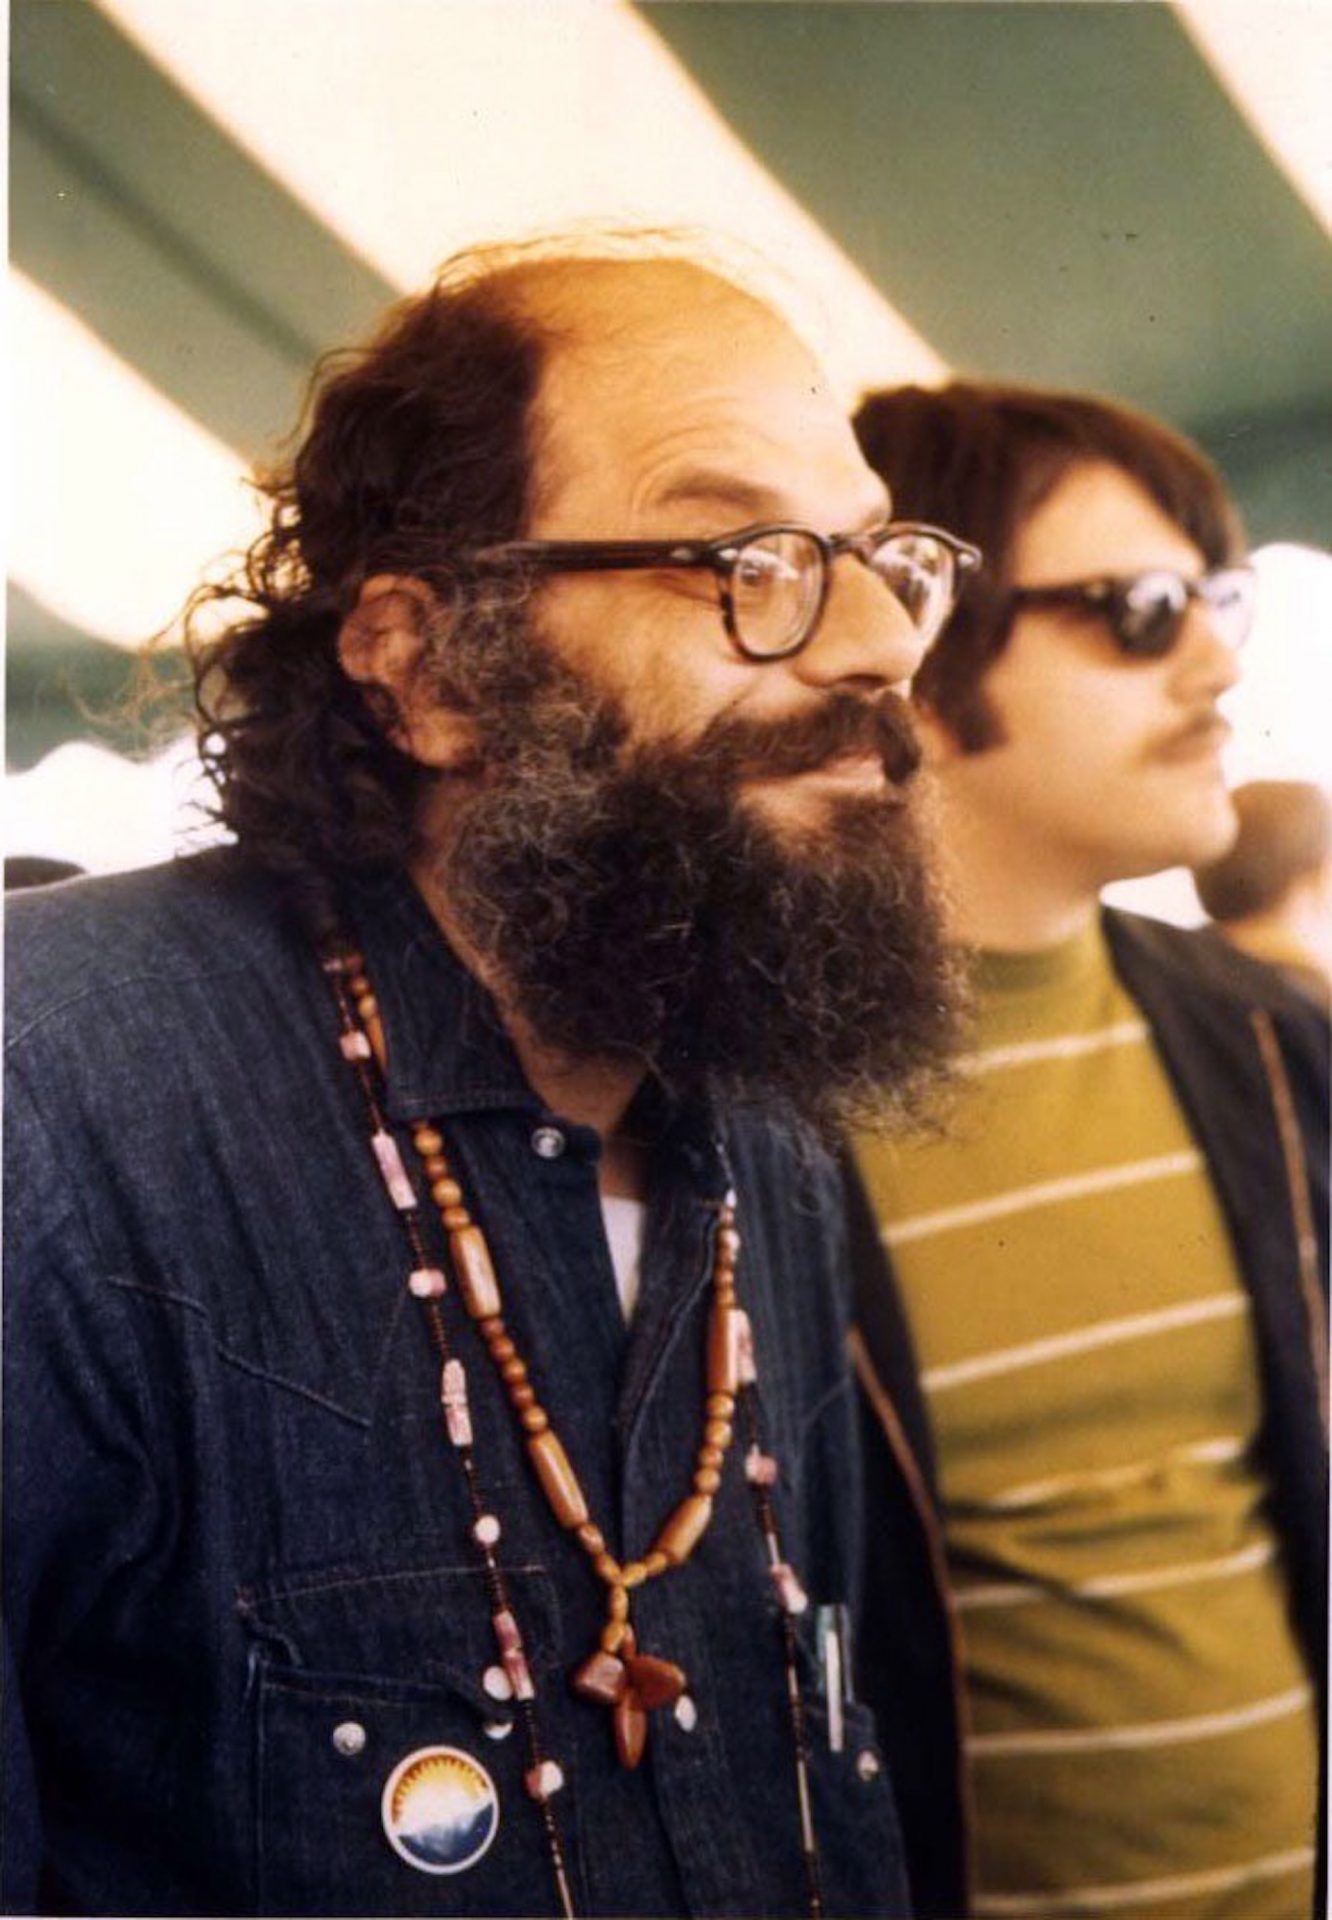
{"x": 234, "y": 1526}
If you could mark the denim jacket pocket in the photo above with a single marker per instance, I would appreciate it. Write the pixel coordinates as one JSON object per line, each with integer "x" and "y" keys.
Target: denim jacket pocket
{"x": 854, "y": 1811}
{"x": 851, "y": 1797}
{"x": 352, "y": 1674}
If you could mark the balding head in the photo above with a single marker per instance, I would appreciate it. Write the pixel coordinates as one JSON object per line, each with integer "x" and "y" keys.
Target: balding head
{"x": 554, "y": 396}
{"x": 627, "y": 344}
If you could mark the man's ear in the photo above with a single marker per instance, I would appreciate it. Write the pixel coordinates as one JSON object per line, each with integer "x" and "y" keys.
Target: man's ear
{"x": 382, "y": 644}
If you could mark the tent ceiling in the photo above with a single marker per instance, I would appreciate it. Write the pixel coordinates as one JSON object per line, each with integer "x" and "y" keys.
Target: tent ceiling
{"x": 1057, "y": 192}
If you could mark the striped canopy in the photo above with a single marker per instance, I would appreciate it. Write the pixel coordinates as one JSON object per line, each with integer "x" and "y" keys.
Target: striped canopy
{"x": 208, "y": 194}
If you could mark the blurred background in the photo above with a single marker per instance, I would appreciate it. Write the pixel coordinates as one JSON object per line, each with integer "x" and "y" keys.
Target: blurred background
{"x": 1130, "y": 197}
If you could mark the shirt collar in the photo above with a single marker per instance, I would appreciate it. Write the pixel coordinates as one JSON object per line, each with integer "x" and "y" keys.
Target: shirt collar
{"x": 448, "y": 1051}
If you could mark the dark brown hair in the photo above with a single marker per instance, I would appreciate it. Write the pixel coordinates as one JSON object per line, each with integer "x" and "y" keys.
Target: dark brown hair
{"x": 417, "y": 447}
{"x": 978, "y": 459}
{"x": 1285, "y": 835}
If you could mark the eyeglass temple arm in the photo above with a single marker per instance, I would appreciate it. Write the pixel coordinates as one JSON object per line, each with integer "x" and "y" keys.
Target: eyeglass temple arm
{"x": 1094, "y": 593}
{"x": 601, "y": 555}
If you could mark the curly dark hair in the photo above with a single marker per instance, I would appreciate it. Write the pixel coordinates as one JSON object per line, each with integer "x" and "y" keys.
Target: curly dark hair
{"x": 979, "y": 458}
{"x": 1285, "y": 836}
{"x": 417, "y": 448}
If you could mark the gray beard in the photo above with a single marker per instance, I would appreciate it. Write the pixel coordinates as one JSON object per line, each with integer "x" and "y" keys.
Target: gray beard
{"x": 638, "y": 911}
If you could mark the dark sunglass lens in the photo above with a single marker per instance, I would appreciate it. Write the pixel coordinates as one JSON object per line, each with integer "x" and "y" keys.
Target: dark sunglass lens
{"x": 1148, "y": 613}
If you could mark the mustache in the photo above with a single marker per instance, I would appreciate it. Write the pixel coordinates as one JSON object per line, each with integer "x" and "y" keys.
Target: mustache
{"x": 1208, "y": 723}
{"x": 841, "y": 727}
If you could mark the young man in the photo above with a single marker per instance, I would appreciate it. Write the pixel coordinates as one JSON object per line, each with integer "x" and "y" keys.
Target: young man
{"x": 1271, "y": 893}
{"x": 1107, "y": 1264}
{"x": 430, "y": 1444}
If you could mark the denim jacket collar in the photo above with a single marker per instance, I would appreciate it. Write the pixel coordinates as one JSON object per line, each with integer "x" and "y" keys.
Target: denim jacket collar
{"x": 448, "y": 1052}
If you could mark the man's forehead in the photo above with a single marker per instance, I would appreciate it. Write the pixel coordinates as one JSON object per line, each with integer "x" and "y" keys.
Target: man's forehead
{"x": 666, "y": 381}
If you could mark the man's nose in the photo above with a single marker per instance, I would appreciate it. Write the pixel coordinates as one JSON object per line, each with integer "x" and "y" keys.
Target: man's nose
{"x": 1205, "y": 662}
{"x": 866, "y": 640}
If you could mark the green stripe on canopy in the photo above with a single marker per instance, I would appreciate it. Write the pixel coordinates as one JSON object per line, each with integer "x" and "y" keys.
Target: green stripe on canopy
{"x": 1058, "y": 193}
{"x": 132, "y": 207}
{"x": 63, "y": 684}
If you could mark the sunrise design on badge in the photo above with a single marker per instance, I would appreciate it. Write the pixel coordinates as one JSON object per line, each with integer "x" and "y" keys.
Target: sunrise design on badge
{"x": 440, "y": 1809}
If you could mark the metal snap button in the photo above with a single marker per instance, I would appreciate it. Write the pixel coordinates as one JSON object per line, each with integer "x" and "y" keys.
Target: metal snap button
{"x": 349, "y": 1738}
{"x": 548, "y": 1143}
{"x": 868, "y": 1764}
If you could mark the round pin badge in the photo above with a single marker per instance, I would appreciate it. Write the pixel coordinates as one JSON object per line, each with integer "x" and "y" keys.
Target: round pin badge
{"x": 440, "y": 1810}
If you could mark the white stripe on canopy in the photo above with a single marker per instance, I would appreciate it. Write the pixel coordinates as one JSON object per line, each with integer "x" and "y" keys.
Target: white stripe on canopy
{"x": 412, "y": 130}
{"x": 124, "y": 499}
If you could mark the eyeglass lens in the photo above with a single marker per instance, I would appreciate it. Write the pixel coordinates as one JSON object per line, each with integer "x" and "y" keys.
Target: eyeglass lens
{"x": 919, "y": 571}
{"x": 776, "y": 588}
{"x": 777, "y": 585}
{"x": 1152, "y": 609}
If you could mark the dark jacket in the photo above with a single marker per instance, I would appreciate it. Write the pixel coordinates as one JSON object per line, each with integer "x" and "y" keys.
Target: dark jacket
{"x": 1248, "y": 1058}
{"x": 234, "y": 1526}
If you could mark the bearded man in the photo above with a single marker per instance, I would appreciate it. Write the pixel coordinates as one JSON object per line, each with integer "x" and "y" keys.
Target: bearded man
{"x": 431, "y": 1451}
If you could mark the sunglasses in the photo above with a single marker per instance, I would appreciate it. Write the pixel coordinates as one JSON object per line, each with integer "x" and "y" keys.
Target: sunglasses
{"x": 1146, "y": 611}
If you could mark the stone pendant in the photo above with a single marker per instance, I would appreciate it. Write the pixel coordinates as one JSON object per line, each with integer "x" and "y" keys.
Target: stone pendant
{"x": 631, "y": 1686}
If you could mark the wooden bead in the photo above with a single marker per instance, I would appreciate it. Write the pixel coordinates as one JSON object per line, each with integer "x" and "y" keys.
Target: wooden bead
{"x": 359, "y": 983}
{"x": 501, "y": 1347}
{"x": 685, "y": 1528}
{"x": 719, "y": 1406}
{"x": 601, "y": 1678}
{"x": 592, "y": 1538}
{"x": 436, "y": 1168}
{"x": 428, "y": 1139}
{"x": 522, "y": 1396}
{"x": 711, "y": 1456}
{"x": 728, "y": 1242}
{"x": 374, "y": 1033}
{"x": 656, "y": 1563}
{"x": 558, "y": 1479}
{"x": 445, "y": 1193}
{"x": 723, "y": 1354}
{"x": 537, "y": 1421}
{"x": 619, "y": 1604}
{"x": 635, "y": 1573}
{"x": 456, "y": 1218}
{"x": 511, "y": 1369}
{"x": 629, "y": 1723}
{"x": 367, "y": 1006}
{"x": 707, "y": 1480}
{"x": 717, "y": 1433}
{"x": 656, "y": 1682}
{"x": 607, "y": 1568}
{"x": 613, "y": 1635}
{"x": 476, "y": 1276}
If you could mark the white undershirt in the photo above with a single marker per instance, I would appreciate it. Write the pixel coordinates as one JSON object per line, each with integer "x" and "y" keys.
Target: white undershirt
{"x": 624, "y": 1236}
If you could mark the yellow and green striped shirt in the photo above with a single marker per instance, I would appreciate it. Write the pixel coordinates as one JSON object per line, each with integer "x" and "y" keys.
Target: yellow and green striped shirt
{"x": 1142, "y": 1738}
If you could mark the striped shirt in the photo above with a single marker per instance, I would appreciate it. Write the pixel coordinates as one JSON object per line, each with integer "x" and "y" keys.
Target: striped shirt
{"x": 1142, "y": 1736}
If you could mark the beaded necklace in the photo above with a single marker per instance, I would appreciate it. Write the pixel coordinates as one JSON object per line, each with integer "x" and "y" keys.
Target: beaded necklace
{"x": 615, "y": 1674}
